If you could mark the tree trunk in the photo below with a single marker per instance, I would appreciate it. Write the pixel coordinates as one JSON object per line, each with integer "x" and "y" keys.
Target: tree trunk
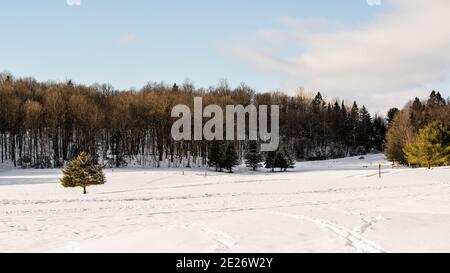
{"x": 84, "y": 189}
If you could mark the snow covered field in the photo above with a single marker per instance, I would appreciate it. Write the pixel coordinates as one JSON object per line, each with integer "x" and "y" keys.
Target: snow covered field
{"x": 329, "y": 206}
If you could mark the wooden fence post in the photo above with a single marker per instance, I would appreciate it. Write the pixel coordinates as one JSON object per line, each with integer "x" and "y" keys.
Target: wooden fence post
{"x": 379, "y": 170}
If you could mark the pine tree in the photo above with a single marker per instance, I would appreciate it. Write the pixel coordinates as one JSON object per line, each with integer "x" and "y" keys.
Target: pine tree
{"x": 379, "y": 133}
{"x": 436, "y": 99}
{"x": 391, "y": 115}
{"x": 289, "y": 159}
{"x": 82, "y": 172}
{"x": 279, "y": 159}
{"x": 270, "y": 160}
{"x": 344, "y": 130}
{"x": 365, "y": 128}
{"x": 318, "y": 101}
{"x": 253, "y": 158}
{"x": 432, "y": 147}
{"x": 354, "y": 123}
{"x": 282, "y": 159}
{"x": 231, "y": 158}
{"x": 216, "y": 155}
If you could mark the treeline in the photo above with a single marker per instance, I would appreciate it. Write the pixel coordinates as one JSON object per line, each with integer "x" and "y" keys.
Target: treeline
{"x": 46, "y": 124}
{"x": 419, "y": 134}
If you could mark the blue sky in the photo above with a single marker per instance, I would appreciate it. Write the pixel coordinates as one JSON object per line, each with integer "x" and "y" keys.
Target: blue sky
{"x": 128, "y": 43}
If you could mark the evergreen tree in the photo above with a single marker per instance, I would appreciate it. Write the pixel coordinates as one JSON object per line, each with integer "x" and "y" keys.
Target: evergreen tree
{"x": 379, "y": 133}
{"x": 354, "y": 122}
{"x": 82, "y": 172}
{"x": 441, "y": 101}
{"x": 279, "y": 159}
{"x": 283, "y": 159}
{"x": 365, "y": 128}
{"x": 318, "y": 101}
{"x": 345, "y": 126}
{"x": 391, "y": 115}
{"x": 290, "y": 159}
{"x": 436, "y": 99}
{"x": 175, "y": 88}
{"x": 270, "y": 161}
{"x": 432, "y": 147}
{"x": 216, "y": 155}
{"x": 231, "y": 158}
{"x": 253, "y": 158}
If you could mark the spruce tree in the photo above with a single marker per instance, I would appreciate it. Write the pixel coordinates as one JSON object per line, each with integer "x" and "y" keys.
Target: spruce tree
{"x": 354, "y": 123}
{"x": 82, "y": 172}
{"x": 279, "y": 159}
{"x": 270, "y": 161}
{"x": 391, "y": 115}
{"x": 379, "y": 133}
{"x": 290, "y": 160}
{"x": 282, "y": 159}
{"x": 216, "y": 155}
{"x": 231, "y": 158}
{"x": 432, "y": 147}
{"x": 365, "y": 128}
{"x": 253, "y": 158}
{"x": 436, "y": 99}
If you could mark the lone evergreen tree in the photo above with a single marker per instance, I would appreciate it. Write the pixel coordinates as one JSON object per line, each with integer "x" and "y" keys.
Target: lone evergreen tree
{"x": 231, "y": 158}
{"x": 253, "y": 158}
{"x": 82, "y": 172}
{"x": 432, "y": 147}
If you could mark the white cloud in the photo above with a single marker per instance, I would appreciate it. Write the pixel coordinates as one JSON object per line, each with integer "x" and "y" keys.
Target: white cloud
{"x": 73, "y": 2}
{"x": 387, "y": 61}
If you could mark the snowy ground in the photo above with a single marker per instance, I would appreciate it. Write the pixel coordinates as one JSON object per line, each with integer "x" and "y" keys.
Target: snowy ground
{"x": 329, "y": 206}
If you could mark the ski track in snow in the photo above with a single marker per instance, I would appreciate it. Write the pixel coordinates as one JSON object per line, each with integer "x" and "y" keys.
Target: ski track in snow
{"x": 354, "y": 239}
{"x": 224, "y": 240}
{"x": 368, "y": 222}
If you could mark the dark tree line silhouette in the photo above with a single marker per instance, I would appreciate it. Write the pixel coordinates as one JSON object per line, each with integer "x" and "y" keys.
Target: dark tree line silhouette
{"x": 46, "y": 124}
